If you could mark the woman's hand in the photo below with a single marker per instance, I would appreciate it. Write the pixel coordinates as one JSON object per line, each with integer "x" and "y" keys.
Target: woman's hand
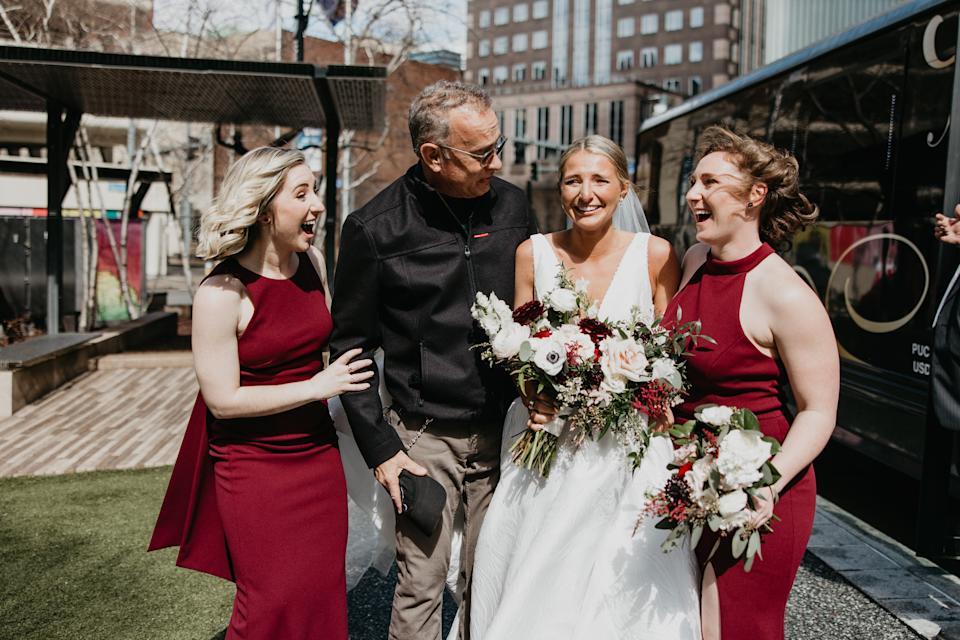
{"x": 540, "y": 405}
{"x": 763, "y": 506}
{"x": 344, "y": 374}
{"x": 664, "y": 423}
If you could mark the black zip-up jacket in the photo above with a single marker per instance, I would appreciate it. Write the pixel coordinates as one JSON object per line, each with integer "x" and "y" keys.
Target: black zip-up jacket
{"x": 408, "y": 272}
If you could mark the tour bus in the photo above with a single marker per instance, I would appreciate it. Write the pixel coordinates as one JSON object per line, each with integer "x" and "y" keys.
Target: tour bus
{"x": 867, "y": 114}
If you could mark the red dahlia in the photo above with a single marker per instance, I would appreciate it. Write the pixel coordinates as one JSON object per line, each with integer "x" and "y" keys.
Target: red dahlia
{"x": 529, "y": 312}
{"x": 595, "y": 329}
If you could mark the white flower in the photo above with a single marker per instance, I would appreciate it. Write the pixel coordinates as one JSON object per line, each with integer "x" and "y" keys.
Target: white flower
{"x": 581, "y": 285}
{"x": 613, "y": 384}
{"x": 561, "y": 299}
{"x": 698, "y": 475}
{"x": 666, "y": 369}
{"x": 622, "y": 358}
{"x": 733, "y": 502}
{"x": 548, "y": 354}
{"x": 684, "y": 453}
{"x": 506, "y": 344}
{"x": 501, "y": 309}
{"x": 593, "y": 310}
{"x": 576, "y": 341}
{"x": 740, "y": 457}
{"x": 718, "y": 416}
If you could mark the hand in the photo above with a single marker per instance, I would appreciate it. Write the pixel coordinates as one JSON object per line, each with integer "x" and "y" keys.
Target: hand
{"x": 948, "y": 229}
{"x": 344, "y": 374}
{"x": 540, "y": 405}
{"x": 388, "y": 474}
{"x": 763, "y": 507}
{"x": 664, "y": 423}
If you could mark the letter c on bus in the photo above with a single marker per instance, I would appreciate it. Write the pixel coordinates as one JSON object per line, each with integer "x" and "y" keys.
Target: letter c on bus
{"x": 930, "y": 46}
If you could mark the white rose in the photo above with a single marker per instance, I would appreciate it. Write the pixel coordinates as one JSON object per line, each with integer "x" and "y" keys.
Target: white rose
{"x": 717, "y": 416}
{"x": 622, "y": 358}
{"x": 731, "y": 503}
{"x": 506, "y": 344}
{"x": 698, "y": 475}
{"x": 613, "y": 384}
{"x": 548, "y": 354}
{"x": 665, "y": 369}
{"x": 684, "y": 453}
{"x": 740, "y": 456}
{"x": 576, "y": 341}
{"x": 562, "y": 300}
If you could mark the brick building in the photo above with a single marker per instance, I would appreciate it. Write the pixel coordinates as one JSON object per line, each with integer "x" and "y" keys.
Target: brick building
{"x": 559, "y": 69}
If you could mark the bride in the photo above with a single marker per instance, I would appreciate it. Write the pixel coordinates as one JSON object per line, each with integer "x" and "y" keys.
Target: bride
{"x": 559, "y": 558}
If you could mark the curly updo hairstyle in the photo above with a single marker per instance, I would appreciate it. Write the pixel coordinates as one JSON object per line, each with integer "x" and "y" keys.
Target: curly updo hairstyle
{"x": 785, "y": 209}
{"x": 247, "y": 191}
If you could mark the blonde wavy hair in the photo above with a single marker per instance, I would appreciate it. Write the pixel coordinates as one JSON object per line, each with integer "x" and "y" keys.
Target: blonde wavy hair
{"x": 602, "y": 147}
{"x": 247, "y": 191}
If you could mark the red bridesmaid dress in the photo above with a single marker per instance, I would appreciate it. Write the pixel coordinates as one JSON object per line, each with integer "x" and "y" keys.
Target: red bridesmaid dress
{"x": 262, "y": 501}
{"x": 734, "y": 372}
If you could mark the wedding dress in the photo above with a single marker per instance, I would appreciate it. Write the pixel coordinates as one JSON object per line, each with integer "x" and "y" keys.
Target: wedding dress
{"x": 559, "y": 558}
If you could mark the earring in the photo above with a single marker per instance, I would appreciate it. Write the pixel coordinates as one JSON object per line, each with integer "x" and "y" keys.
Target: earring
{"x": 749, "y": 205}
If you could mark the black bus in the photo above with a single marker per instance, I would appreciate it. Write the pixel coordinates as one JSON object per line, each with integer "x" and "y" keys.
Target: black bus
{"x": 867, "y": 113}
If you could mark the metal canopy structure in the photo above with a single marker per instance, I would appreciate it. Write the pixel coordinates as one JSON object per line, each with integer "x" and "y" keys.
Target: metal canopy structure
{"x": 67, "y": 84}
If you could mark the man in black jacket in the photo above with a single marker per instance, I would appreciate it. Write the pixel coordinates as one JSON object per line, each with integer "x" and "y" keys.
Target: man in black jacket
{"x": 411, "y": 262}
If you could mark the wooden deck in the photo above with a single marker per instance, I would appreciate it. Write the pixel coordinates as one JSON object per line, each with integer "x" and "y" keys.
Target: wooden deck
{"x": 121, "y": 418}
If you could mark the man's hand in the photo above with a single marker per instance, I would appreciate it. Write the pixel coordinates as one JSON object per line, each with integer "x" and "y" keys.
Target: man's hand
{"x": 948, "y": 229}
{"x": 388, "y": 474}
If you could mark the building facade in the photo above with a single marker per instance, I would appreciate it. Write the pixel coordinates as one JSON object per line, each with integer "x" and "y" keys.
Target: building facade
{"x": 773, "y": 29}
{"x": 560, "y": 69}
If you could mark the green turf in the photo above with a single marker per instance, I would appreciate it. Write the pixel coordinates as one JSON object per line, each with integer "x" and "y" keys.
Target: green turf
{"x": 73, "y": 563}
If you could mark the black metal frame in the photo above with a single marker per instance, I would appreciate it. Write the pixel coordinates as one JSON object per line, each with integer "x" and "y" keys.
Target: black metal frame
{"x": 64, "y": 113}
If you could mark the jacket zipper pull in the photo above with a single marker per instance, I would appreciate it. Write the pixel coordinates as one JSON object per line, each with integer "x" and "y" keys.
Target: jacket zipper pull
{"x": 466, "y": 251}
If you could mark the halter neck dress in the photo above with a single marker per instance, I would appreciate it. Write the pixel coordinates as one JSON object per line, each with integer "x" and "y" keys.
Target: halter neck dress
{"x": 734, "y": 372}
{"x": 262, "y": 501}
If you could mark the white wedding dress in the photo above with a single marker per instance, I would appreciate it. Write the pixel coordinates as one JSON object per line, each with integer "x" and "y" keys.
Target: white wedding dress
{"x": 558, "y": 558}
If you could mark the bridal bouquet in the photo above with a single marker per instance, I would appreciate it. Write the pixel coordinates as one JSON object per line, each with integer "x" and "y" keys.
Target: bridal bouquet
{"x": 605, "y": 376}
{"x": 722, "y": 459}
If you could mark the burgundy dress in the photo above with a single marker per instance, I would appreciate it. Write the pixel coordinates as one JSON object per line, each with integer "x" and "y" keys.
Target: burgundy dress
{"x": 262, "y": 501}
{"x": 734, "y": 372}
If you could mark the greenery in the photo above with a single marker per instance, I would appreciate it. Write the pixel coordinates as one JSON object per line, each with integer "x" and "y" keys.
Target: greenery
{"x": 74, "y": 564}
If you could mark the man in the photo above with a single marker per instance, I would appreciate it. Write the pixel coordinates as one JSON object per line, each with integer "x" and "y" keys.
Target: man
{"x": 411, "y": 261}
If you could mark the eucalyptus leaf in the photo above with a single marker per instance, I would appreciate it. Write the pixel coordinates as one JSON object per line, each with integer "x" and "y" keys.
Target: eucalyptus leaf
{"x": 526, "y": 351}
{"x": 695, "y": 535}
{"x": 753, "y": 544}
{"x": 737, "y": 544}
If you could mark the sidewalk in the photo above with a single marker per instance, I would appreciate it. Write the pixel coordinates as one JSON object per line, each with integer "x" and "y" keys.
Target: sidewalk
{"x": 131, "y": 413}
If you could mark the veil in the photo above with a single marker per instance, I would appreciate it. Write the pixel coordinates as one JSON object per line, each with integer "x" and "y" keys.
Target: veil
{"x": 629, "y": 215}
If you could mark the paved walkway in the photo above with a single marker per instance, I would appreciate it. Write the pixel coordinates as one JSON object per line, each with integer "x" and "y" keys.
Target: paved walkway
{"x": 115, "y": 418}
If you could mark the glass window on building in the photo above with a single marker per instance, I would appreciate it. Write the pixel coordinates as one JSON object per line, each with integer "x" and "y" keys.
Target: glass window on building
{"x": 539, "y": 70}
{"x": 696, "y": 85}
{"x": 624, "y": 1}
{"x": 616, "y": 121}
{"x": 520, "y": 12}
{"x": 673, "y": 54}
{"x": 539, "y": 40}
{"x": 519, "y": 72}
{"x": 626, "y": 27}
{"x": 624, "y": 60}
{"x": 590, "y": 118}
{"x": 673, "y": 20}
{"x": 483, "y": 48}
{"x": 649, "y": 23}
{"x": 500, "y": 45}
{"x": 501, "y": 15}
{"x": 672, "y": 84}
{"x": 695, "y": 52}
{"x": 696, "y": 17}
{"x": 500, "y": 74}
{"x": 566, "y": 124}
{"x": 501, "y": 120}
{"x": 540, "y": 9}
{"x": 520, "y": 42}
{"x": 543, "y": 130}
{"x": 483, "y": 76}
{"x": 519, "y": 136}
{"x": 648, "y": 57}
{"x": 483, "y": 19}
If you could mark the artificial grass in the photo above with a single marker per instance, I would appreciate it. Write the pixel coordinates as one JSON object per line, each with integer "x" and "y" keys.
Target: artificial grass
{"x": 73, "y": 563}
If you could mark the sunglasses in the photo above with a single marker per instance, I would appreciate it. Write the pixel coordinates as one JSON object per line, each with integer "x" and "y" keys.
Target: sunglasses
{"x": 484, "y": 158}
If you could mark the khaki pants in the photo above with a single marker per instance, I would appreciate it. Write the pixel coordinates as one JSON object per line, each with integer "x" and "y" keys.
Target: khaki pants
{"x": 465, "y": 459}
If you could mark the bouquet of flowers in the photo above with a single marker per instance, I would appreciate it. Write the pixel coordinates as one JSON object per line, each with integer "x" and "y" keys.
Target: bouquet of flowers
{"x": 722, "y": 459}
{"x": 605, "y": 376}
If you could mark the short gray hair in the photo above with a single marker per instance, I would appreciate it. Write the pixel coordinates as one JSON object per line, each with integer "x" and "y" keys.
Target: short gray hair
{"x": 428, "y": 113}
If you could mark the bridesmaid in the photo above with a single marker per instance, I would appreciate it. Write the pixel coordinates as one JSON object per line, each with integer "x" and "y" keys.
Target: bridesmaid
{"x": 771, "y": 330}
{"x": 257, "y": 494}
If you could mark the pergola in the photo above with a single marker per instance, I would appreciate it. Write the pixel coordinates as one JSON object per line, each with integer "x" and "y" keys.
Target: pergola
{"x": 67, "y": 84}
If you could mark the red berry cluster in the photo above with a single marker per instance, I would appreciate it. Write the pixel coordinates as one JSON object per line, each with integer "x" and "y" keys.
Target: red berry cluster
{"x": 653, "y": 398}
